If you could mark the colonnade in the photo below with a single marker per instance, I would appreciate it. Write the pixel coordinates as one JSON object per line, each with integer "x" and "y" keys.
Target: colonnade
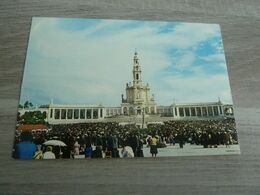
{"x": 75, "y": 113}
{"x": 197, "y": 111}
{"x": 113, "y": 111}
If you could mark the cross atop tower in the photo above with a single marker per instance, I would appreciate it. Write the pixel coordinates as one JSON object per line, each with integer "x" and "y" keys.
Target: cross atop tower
{"x": 136, "y": 59}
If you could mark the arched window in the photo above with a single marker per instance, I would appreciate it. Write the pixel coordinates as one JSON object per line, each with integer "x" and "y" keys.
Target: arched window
{"x": 131, "y": 110}
{"x": 125, "y": 110}
{"x": 152, "y": 110}
{"x": 138, "y": 95}
{"x": 137, "y": 77}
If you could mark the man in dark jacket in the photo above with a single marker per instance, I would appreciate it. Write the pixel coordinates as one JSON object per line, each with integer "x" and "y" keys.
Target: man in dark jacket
{"x": 133, "y": 143}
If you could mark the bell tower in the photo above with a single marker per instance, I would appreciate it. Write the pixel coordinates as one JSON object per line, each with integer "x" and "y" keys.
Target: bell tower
{"x": 136, "y": 70}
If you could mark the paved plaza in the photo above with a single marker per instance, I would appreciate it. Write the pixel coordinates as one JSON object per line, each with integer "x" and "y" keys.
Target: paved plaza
{"x": 187, "y": 150}
{"x": 193, "y": 150}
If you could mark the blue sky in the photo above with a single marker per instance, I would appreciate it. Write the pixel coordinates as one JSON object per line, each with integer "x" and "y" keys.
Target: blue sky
{"x": 89, "y": 61}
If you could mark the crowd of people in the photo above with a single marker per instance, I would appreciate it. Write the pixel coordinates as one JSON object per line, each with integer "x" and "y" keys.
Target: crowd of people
{"x": 112, "y": 140}
{"x": 208, "y": 133}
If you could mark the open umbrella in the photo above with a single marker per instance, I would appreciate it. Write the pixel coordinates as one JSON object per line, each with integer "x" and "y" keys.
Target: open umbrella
{"x": 54, "y": 143}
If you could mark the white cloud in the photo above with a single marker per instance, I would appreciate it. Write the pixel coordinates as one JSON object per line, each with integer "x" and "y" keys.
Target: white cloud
{"x": 214, "y": 57}
{"x": 186, "y": 60}
{"x": 196, "y": 88}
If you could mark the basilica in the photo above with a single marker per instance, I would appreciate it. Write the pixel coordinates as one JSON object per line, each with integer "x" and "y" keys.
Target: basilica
{"x": 138, "y": 98}
{"x": 139, "y": 106}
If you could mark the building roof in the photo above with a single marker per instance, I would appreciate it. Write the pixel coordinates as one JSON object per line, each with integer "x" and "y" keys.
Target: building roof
{"x": 27, "y": 127}
{"x": 197, "y": 104}
{"x": 75, "y": 106}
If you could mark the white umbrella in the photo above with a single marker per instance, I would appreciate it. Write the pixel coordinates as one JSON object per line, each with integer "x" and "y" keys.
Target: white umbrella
{"x": 54, "y": 143}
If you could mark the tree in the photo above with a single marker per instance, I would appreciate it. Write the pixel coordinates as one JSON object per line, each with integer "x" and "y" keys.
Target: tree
{"x": 28, "y": 104}
{"x": 19, "y": 118}
{"x": 34, "y": 117}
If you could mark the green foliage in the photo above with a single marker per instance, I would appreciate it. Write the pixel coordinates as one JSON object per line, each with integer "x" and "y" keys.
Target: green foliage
{"x": 28, "y": 104}
{"x": 34, "y": 117}
{"x": 19, "y": 117}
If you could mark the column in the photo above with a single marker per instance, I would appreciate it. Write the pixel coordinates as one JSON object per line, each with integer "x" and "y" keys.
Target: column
{"x": 212, "y": 107}
{"x": 91, "y": 116}
{"x": 195, "y": 111}
{"x": 53, "y": 114}
{"x": 98, "y": 113}
{"x": 207, "y": 110}
{"x": 50, "y": 113}
{"x": 190, "y": 111}
{"x": 105, "y": 112}
{"x": 218, "y": 110}
{"x": 184, "y": 113}
{"x": 178, "y": 113}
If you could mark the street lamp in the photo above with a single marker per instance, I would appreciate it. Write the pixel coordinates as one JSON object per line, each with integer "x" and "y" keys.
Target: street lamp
{"x": 143, "y": 112}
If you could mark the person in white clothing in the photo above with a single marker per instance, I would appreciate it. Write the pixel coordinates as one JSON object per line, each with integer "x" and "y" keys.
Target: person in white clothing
{"x": 127, "y": 152}
{"x": 48, "y": 154}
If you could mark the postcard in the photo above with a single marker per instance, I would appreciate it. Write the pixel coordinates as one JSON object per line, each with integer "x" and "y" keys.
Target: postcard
{"x": 100, "y": 88}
